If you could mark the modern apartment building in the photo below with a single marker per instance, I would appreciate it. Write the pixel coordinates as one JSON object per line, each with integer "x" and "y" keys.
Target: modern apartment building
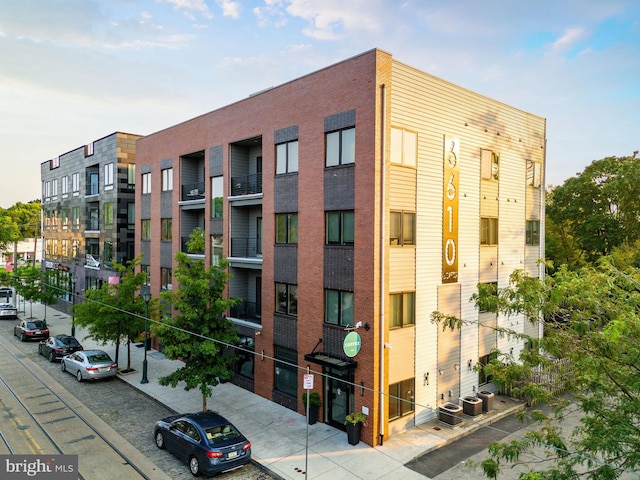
{"x": 351, "y": 203}
{"x": 88, "y": 212}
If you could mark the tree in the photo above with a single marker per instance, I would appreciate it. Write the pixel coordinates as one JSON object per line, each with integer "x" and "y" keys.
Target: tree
{"x": 9, "y": 229}
{"x": 594, "y": 212}
{"x": 199, "y": 333}
{"x": 26, "y": 281}
{"x": 598, "y": 336}
{"x": 115, "y": 312}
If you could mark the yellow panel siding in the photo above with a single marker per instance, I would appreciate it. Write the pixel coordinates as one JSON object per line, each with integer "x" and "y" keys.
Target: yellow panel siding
{"x": 402, "y": 269}
{"x": 402, "y": 188}
{"x": 402, "y": 354}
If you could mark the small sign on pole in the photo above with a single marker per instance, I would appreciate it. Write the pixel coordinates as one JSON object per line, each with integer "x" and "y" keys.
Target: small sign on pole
{"x": 308, "y": 381}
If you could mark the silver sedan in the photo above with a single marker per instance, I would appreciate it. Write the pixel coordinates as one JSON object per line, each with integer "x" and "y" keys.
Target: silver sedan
{"x": 89, "y": 365}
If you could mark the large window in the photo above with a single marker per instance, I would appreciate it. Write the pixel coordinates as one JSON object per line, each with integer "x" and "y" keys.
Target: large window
{"x": 165, "y": 278}
{"x": 64, "y": 213}
{"x": 286, "y": 371}
{"x": 339, "y": 227}
{"x": 131, "y": 175}
{"x": 216, "y": 249}
{"x": 489, "y": 165}
{"x": 338, "y": 308}
{"x": 146, "y": 229}
{"x": 75, "y": 183}
{"x": 287, "y": 299}
{"x": 488, "y": 231}
{"x": 167, "y": 179}
{"x": 75, "y": 218}
{"x": 108, "y": 215}
{"x": 108, "y": 176}
{"x": 533, "y": 232}
{"x": 65, "y": 185}
{"x": 402, "y": 228}
{"x": 146, "y": 183}
{"x": 217, "y": 196}
{"x": 166, "y": 229}
{"x": 287, "y": 157}
{"x": 131, "y": 215}
{"x": 404, "y": 147}
{"x": 401, "y": 398}
{"x": 244, "y": 364}
{"x": 287, "y": 228}
{"x": 403, "y": 309}
{"x": 341, "y": 147}
{"x": 54, "y": 189}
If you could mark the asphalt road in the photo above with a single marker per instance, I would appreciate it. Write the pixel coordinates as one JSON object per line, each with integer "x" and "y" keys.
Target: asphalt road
{"x": 125, "y": 409}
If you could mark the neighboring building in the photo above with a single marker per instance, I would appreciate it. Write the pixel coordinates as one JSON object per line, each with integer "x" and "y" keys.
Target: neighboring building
{"x": 88, "y": 212}
{"x": 24, "y": 252}
{"x": 361, "y": 197}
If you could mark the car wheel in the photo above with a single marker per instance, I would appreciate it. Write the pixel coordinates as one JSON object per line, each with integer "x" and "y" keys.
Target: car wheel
{"x": 159, "y": 439}
{"x": 52, "y": 356}
{"x": 194, "y": 466}
{"x": 63, "y": 367}
{"x": 22, "y": 337}
{"x": 79, "y": 375}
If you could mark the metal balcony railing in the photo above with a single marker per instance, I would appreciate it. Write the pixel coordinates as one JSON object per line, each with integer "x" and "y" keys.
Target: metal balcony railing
{"x": 246, "y": 184}
{"x": 246, "y": 247}
{"x": 249, "y": 311}
{"x": 192, "y": 191}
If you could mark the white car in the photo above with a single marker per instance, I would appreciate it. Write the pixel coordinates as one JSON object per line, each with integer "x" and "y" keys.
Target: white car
{"x": 8, "y": 310}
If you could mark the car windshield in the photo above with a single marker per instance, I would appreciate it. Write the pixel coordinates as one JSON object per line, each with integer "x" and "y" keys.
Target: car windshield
{"x": 6, "y": 305}
{"x": 221, "y": 434}
{"x": 99, "y": 358}
{"x": 36, "y": 324}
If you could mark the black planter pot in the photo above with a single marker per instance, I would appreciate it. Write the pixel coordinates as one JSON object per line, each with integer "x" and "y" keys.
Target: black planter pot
{"x": 313, "y": 414}
{"x": 353, "y": 433}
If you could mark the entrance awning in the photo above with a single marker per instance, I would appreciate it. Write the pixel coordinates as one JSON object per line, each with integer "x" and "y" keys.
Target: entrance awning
{"x": 325, "y": 360}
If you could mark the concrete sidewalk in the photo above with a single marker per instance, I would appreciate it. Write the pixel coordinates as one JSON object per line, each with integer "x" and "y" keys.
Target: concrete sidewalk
{"x": 279, "y": 435}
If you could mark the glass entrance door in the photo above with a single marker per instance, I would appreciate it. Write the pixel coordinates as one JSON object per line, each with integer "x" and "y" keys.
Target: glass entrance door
{"x": 338, "y": 396}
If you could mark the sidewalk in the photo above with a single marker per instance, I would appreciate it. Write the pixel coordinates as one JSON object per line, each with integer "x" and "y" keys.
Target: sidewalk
{"x": 279, "y": 435}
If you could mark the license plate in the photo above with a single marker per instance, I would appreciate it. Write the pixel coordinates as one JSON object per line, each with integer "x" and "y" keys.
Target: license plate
{"x": 232, "y": 455}
{"x": 104, "y": 369}
{"x": 37, "y": 332}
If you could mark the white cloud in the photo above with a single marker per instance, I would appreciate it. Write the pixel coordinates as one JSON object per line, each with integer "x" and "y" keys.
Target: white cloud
{"x": 568, "y": 40}
{"x": 230, "y": 8}
{"x": 189, "y": 6}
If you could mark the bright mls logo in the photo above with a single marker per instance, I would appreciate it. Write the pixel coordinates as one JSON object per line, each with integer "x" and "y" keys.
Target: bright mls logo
{"x": 51, "y": 467}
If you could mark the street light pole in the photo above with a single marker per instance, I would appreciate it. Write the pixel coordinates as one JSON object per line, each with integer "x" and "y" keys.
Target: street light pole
{"x": 74, "y": 279}
{"x": 146, "y": 296}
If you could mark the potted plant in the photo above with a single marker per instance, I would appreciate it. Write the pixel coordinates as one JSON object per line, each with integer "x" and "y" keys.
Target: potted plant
{"x": 314, "y": 406}
{"x": 354, "y": 423}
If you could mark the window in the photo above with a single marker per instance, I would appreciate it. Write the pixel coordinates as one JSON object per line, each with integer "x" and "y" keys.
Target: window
{"x": 46, "y": 190}
{"x": 287, "y": 228}
{"x": 131, "y": 215}
{"x": 166, "y": 229}
{"x": 287, "y": 157}
{"x": 64, "y": 213}
{"x": 216, "y": 250}
{"x": 339, "y": 227}
{"x": 108, "y": 215}
{"x": 217, "y": 197}
{"x": 75, "y": 249}
{"x": 488, "y": 231}
{"x": 244, "y": 364}
{"x": 402, "y": 228}
{"x": 131, "y": 175}
{"x": 404, "y": 147}
{"x": 54, "y": 189}
{"x": 147, "y": 270}
{"x": 75, "y": 218}
{"x": 167, "y": 179}
{"x": 483, "y": 378}
{"x": 489, "y": 292}
{"x": 64, "y": 243}
{"x": 533, "y": 232}
{"x": 88, "y": 149}
{"x": 55, "y": 162}
{"x": 287, "y": 299}
{"x": 108, "y": 176}
{"x": 403, "y": 309}
{"x": 146, "y": 229}
{"x": 338, "y": 308}
{"x": 146, "y": 183}
{"x": 286, "y": 371}
{"x": 75, "y": 183}
{"x": 93, "y": 222}
{"x": 341, "y": 147}
{"x": 107, "y": 252}
{"x": 165, "y": 278}
{"x": 534, "y": 173}
{"x": 65, "y": 185}
{"x": 489, "y": 165}
{"x": 401, "y": 398}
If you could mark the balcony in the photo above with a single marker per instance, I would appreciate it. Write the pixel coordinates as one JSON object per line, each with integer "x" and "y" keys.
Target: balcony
{"x": 192, "y": 191}
{"x": 246, "y": 184}
{"x": 246, "y": 247}
{"x": 184, "y": 249}
{"x": 249, "y": 311}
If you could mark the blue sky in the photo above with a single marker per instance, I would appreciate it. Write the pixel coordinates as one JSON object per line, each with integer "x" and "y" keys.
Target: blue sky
{"x": 73, "y": 71}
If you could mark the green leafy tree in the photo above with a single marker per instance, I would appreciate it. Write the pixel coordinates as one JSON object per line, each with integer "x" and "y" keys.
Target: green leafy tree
{"x": 115, "y": 312}
{"x": 594, "y": 212}
{"x": 26, "y": 281}
{"x": 199, "y": 333}
{"x": 9, "y": 229}
{"x": 596, "y": 336}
